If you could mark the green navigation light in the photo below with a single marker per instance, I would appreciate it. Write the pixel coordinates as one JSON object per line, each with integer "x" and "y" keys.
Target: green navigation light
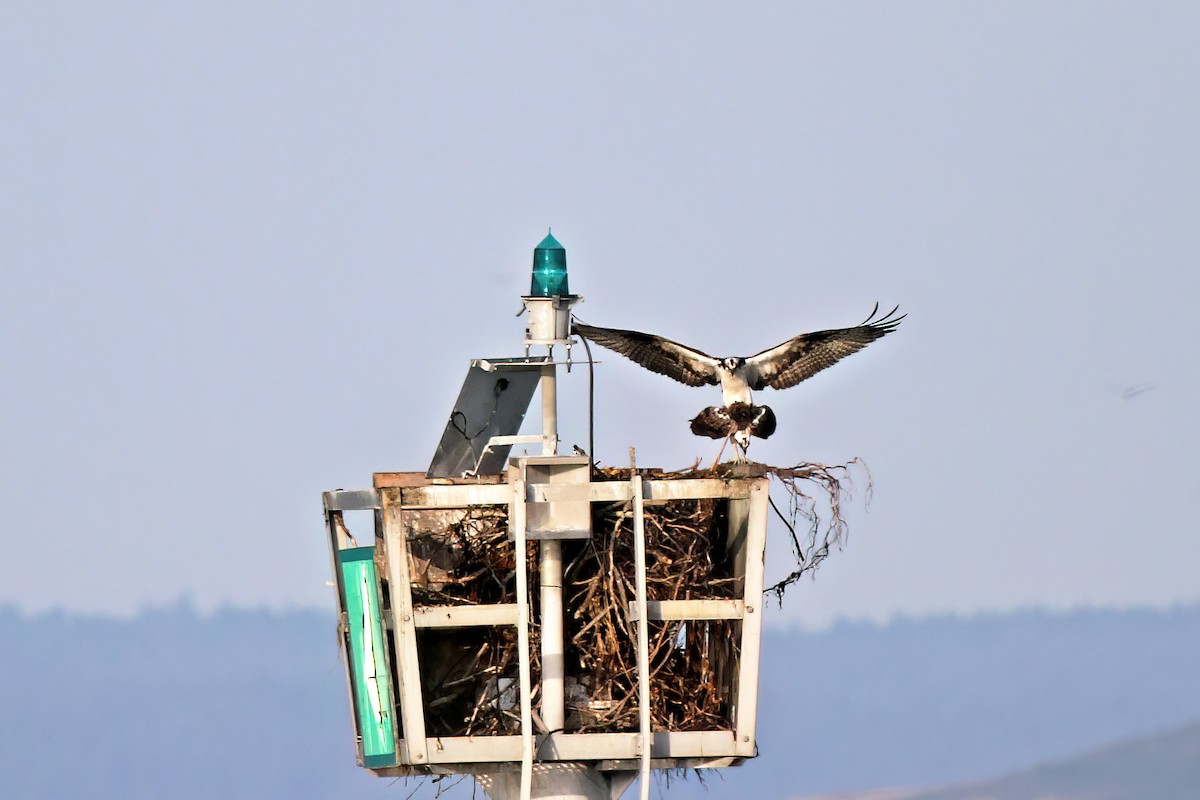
{"x": 549, "y": 269}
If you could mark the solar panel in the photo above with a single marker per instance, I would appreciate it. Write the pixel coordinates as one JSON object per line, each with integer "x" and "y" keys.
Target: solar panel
{"x": 492, "y": 402}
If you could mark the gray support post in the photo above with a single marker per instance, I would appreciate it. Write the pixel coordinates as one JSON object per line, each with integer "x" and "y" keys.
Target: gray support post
{"x": 549, "y": 389}
{"x": 553, "y": 709}
{"x": 408, "y": 673}
{"x": 746, "y": 708}
{"x": 518, "y": 524}
{"x": 338, "y": 541}
{"x": 643, "y": 632}
{"x": 563, "y": 781}
{"x": 550, "y": 574}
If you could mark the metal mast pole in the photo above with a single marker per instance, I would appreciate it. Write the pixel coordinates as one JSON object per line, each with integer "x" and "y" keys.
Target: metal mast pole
{"x": 553, "y": 703}
{"x": 549, "y": 304}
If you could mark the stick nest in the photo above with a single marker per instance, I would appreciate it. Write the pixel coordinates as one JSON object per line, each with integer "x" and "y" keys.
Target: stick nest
{"x": 464, "y": 557}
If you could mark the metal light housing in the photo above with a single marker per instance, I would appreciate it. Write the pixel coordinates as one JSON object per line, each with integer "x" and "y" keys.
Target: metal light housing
{"x": 549, "y": 300}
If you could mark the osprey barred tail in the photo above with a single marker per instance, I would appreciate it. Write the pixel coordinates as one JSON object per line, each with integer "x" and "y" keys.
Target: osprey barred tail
{"x": 779, "y": 367}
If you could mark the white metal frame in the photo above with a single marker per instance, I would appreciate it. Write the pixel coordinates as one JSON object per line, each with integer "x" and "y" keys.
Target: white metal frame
{"x": 747, "y": 518}
{"x": 643, "y": 633}
{"x": 518, "y": 524}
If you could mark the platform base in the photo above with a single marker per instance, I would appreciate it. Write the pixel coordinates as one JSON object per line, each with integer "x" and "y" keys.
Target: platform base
{"x": 558, "y": 782}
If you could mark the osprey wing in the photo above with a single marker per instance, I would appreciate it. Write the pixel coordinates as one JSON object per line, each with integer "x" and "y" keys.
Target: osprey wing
{"x": 787, "y": 364}
{"x": 655, "y": 354}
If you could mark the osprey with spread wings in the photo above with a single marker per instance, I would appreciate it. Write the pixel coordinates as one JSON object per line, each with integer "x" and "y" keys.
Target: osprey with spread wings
{"x": 780, "y": 367}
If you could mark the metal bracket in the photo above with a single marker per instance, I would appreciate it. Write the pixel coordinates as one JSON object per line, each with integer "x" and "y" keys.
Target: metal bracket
{"x": 355, "y": 500}
{"x": 528, "y": 438}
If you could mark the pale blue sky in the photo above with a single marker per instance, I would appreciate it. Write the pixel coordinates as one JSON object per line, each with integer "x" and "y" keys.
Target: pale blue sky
{"x": 249, "y": 248}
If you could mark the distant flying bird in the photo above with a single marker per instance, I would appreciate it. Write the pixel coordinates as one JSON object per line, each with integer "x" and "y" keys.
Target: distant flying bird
{"x": 780, "y": 367}
{"x": 1130, "y": 392}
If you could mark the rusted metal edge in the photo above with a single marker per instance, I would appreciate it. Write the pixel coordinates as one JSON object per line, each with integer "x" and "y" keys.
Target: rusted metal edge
{"x": 351, "y": 500}
{"x": 405, "y": 480}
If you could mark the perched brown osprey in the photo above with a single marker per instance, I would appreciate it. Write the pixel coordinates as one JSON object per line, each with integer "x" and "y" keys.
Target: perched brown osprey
{"x": 737, "y": 422}
{"x": 780, "y": 367}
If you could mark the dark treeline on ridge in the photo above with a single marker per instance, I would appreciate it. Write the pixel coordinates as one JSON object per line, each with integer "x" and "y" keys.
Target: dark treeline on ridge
{"x": 252, "y": 704}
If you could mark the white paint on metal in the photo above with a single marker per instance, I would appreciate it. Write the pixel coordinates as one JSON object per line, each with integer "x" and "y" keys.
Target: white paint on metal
{"x": 459, "y": 495}
{"x": 549, "y": 319}
{"x": 351, "y": 500}
{"x": 524, "y": 438}
{"x": 653, "y": 491}
{"x": 646, "y": 749}
{"x": 550, "y": 566}
{"x": 559, "y": 782}
{"x": 465, "y": 616}
{"x": 518, "y": 525}
{"x": 337, "y": 541}
{"x": 643, "y": 633}
{"x": 408, "y": 672}
{"x": 549, "y": 389}
{"x": 746, "y": 709}
{"x": 584, "y": 747}
{"x": 553, "y": 660}
{"x": 660, "y": 610}
{"x": 562, "y": 519}
{"x": 473, "y": 494}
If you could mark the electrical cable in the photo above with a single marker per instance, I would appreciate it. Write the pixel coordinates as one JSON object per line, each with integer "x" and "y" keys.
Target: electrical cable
{"x": 591, "y": 402}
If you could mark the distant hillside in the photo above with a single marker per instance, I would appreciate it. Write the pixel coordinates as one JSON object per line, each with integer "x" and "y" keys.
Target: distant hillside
{"x": 242, "y": 705}
{"x": 1162, "y": 767}
{"x": 253, "y": 705}
{"x": 944, "y": 700}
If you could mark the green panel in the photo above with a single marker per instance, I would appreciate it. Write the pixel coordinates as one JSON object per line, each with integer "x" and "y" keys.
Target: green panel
{"x": 368, "y": 659}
